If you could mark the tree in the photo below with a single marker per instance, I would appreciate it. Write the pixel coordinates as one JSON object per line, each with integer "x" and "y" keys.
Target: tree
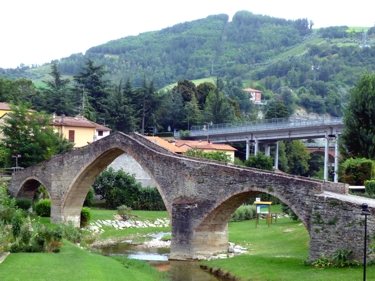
{"x": 120, "y": 110}
{"x": 91, "y": 80}
{"x": 27, "y": 133}
{"x": 217, "y": 108}
{"x": 277, "y": 110}
{"x": 298, "y": 157}
{"x": 358, "y": 137}
{"x": 220, "y": 156}
{"x": 260, "y": 161}
{"x": 58, "y": 97}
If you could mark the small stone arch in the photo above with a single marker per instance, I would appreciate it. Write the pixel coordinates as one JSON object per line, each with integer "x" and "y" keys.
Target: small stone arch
{"x": 29, "y": 187}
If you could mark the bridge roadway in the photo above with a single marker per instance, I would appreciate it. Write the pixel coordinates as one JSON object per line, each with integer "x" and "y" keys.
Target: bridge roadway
{"x": 268, "y": 132}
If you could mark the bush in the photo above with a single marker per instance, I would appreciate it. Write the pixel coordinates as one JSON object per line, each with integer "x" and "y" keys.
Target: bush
{"x": 85, "y": 216}
{"x": 70, "y": 232}
{"x": 356, "y": 171}
{"x": 124, "y": 212}
{"x": 370, "y": 187}
{"x": 17, "y": 222}
{"x": 244, "y": 212}
{"x": 89, "y": 200}
{"x": 48, "y": 238}
{"x": 23, "y": 203}
{"x": 43, "y": 208}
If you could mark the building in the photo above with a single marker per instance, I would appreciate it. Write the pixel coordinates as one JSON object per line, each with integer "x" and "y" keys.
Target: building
{"x": 4, "y": 108}
{"x": 79, "y": 130}
{"x": 182, "y": 146}
{"x": 255, "y": 95}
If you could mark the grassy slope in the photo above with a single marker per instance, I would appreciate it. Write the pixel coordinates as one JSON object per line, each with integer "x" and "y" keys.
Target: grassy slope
{"x": 72, "y": 263}
{"x": 275, "y": 253}
{"x": 278, "y": 255}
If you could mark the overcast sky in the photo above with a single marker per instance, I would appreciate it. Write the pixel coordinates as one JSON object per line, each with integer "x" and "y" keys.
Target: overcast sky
{"x": 38, "y": 31}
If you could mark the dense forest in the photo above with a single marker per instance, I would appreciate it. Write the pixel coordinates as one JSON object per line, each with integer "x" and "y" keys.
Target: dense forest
{"x": 287, "y": 60}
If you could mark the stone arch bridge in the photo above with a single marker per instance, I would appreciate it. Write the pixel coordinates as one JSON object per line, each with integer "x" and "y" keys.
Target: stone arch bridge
{"x": 200, "y": 195}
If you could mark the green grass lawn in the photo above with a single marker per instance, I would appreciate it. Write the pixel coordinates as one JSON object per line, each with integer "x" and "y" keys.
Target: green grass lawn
{"x": 277, "y": 253}
{"x": 274, "y": 253}
{"x": 73, "y": 263}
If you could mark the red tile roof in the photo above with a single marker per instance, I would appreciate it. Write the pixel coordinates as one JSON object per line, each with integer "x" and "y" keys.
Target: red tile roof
{"x": 252, "y": 90}
{"x": 78, "y": 121}
{"x": 4, "y": 106}
{"x": 204, "y": 145}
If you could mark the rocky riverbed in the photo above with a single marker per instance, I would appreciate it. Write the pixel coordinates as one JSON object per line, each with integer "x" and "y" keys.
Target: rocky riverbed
{"x": 97, "y": 227}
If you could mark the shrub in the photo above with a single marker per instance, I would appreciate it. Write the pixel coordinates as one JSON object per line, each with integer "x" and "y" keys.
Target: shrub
{"x": 70, "y": 232}
{"x": 17, "y": 222}
{"x": 124, "y": 212}
{"x": 356, "y": 171}
{"x": 23, "y": 203}
{"x": 244, "y": 212}
{"x": 89, "y": 200}
{"x": 85, "y": 216}
{"x": 7, "y": 205}
{"x": 370, "y": 187}
{"x": 49, "y": 238}
{"x": 43, "y": 208}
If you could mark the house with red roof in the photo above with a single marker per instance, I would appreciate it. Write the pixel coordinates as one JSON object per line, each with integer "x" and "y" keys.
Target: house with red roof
{"x": 182, "y": 146}
{"x": 79, "y": 129}
{"x": 255, "y": 95}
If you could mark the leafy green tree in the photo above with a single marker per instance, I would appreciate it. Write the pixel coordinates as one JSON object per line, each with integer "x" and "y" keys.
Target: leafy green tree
{"x": 220, "y": 156}
{"x": 260, "y": 161}
{"x": 27, "y": 133}
{"x": 193, "y": 114}
{"x": 277, "y": 110}
{"x": 298, "y": 157}
{"x": 358, "y": 138}
{"x": 283, "y": 160}
{"x": 58, "y": 96}
{"x": 187, "y": 89}
{"x": 203, "y": 90}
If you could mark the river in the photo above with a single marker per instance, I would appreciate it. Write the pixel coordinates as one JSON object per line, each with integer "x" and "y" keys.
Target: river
{"x": 158, "y": 257}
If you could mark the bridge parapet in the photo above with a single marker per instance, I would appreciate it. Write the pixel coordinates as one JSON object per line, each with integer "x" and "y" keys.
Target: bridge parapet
{"x": 336, "y": 187}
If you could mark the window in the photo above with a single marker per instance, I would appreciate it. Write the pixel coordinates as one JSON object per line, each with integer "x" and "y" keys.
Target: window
{"x": 100, "y": 133}
{"x": 71, "y": 135}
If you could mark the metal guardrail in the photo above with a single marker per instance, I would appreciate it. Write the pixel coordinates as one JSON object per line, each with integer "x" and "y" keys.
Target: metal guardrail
{"x": 262, "y": 125}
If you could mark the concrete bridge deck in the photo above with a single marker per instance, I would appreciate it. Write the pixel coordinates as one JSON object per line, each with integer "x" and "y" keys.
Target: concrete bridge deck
{"x": 201, "y": 195}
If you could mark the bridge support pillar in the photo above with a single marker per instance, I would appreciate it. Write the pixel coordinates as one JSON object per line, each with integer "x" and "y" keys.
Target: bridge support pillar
{"x": 256, "y": 148}
{"x": 189, "y": 243}
{"x": 267, "y": 149}
{"x": 276, "y": 156}
{"x": 326, "y": 159}
{"x": 247, "y": 149}
{"x": 58, "y": 216}
{"x": 336, "y": 177}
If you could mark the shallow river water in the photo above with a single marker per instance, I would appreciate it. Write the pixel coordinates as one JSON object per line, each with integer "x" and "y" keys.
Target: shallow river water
{"x": 158, "y": 257}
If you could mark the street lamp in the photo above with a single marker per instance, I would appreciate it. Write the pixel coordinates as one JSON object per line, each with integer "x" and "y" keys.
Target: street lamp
{"x": 206, "y": 129}
{"x": 365, "y": 212}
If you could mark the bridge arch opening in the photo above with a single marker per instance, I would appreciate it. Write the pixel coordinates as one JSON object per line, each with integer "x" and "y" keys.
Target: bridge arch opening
{"x": 77, "y": 191}
{"x": 30, "y": 187}
{"x": 218, "y": 217}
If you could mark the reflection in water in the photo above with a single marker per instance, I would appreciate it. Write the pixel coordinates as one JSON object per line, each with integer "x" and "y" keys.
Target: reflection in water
{"x": 158, "y": 257}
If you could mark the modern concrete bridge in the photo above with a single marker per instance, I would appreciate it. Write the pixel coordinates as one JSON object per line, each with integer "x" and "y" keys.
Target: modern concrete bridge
{"x": 201, "y": 196}
{"x": 267, "y": 132}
